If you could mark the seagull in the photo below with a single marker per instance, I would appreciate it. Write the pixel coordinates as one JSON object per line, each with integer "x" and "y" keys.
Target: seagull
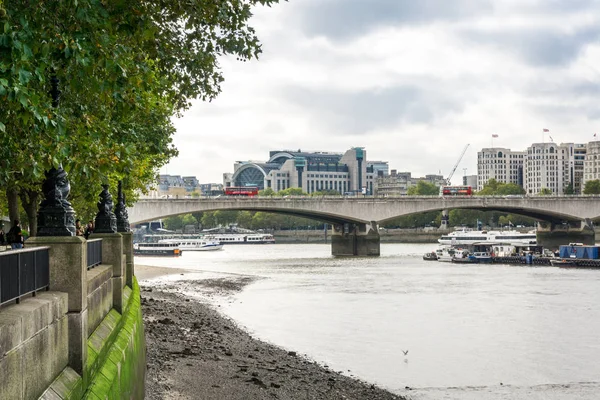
{"x": 405, "y": 352}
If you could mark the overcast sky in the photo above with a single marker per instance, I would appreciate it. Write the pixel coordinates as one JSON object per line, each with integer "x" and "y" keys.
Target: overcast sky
{"x": 411, "y": 81}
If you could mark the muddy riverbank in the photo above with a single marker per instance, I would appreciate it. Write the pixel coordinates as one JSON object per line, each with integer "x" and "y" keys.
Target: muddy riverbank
{"x": 196, "y": 353}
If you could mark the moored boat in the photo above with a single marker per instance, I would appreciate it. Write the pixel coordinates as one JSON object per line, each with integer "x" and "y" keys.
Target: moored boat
{"x": 563, "y": 262}
{"x": 430, "y": 256}
{"x": 156, "y": 249}
{"x": 206, "y": 244}
{"x": 468, "y": 237}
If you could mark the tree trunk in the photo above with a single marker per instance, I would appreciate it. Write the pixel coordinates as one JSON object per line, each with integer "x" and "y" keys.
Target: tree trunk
{"x": 30, "y": 200}
{"x": 12, "y": 198}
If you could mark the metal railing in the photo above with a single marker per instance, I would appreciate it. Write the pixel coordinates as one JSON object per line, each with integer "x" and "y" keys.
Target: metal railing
{"x": 94, "y": 252}
{"x": 22, "y": 272}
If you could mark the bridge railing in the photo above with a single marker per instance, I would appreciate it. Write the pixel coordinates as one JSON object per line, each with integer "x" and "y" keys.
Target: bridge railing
{"x": 23, "y": 272}
{"x": 376, "y": 197}
{"x": 94, "y": 252}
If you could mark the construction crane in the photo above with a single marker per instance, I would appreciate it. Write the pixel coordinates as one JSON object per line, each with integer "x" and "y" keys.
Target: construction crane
{"x": 456, "y": 165}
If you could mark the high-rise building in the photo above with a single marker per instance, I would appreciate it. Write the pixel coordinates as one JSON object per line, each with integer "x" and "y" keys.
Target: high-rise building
{"x": 554, "y": 167}
{"x": 503, "y": 165}
{"x": 591, "y": 170}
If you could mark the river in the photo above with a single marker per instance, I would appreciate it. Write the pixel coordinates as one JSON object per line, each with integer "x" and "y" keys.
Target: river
{"x": 471, "y": 331}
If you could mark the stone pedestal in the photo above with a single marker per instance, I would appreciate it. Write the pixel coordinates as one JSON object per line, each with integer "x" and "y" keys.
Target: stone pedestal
{"x": 552, "y": 235}
{"x": 112, "y": 254}
{"x": 355, "y": 240}
{"x": 128, "y": 250}
{"x": 68, "y": 273}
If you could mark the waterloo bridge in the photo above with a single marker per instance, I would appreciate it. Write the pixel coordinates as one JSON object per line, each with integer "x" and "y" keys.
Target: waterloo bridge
{"x": 355, "y": 220}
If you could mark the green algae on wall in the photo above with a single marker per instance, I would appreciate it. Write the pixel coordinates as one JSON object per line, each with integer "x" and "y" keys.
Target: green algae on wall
{"x": 117, "y": 357}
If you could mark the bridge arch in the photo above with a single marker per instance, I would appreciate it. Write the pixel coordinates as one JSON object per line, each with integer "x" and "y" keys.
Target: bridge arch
{"x": 367, "y": 209}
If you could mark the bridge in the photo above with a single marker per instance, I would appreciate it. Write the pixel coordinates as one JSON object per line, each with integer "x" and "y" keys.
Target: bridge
{"x": 355, "y": 220}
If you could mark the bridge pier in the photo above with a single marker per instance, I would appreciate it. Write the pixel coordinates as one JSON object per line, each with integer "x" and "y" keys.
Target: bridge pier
{"x": 351, "y": 239}
{"x": 551, "y": 235}
{"x": 445, "y": 219}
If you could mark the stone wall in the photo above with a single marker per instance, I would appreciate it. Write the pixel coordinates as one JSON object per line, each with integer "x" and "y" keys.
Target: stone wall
{"x": 33, "y": 345}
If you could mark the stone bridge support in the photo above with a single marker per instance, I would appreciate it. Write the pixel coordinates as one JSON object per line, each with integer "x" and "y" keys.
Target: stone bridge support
{"x": 551, "y": 235}
{"x": 350, "y": 239}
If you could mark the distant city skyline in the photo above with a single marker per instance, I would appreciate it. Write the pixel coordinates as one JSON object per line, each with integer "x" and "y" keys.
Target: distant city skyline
{"x": 412, "y": 82}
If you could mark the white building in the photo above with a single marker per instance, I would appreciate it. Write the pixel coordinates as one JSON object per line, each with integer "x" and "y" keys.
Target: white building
{"x": 591, "y": 170}
{"x": 310, "y": 171}
{"x": 554, "y": 167}
{"x": 503, "y": 165}
{"x": 398, "y": 183}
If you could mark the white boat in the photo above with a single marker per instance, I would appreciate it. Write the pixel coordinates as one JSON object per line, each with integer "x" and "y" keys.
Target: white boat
{"x": 243, "y": 238}
{"x": 205, "y": 244}
{"x": 467, "y": 237}
{"x": 156, "y": 249}
{"x": 447, "y": 254}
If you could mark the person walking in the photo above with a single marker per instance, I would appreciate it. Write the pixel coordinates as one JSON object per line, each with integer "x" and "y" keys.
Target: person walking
{"x": 15, "y": 236}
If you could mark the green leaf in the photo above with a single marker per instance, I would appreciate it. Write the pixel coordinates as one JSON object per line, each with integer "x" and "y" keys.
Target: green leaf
{"x": 2, "y": 127}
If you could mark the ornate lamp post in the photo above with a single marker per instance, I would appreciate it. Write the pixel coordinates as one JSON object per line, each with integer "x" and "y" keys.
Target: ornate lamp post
{"x": 56, "y": 217}
{"x": 121, "y": 211}
{"x": 106, "y": 221}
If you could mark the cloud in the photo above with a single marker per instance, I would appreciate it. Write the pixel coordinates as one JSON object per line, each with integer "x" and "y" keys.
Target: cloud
{"x": 347, "y": 19}
{"x": 412, "y": 81}
{"x": 358, "y": 112}
{"x": 539, "y": 47}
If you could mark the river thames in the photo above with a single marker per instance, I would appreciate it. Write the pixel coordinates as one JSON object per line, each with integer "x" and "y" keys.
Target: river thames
{"x": 470, "y": 331}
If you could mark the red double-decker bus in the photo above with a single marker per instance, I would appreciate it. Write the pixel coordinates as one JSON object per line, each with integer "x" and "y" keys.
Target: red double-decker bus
{"x": 457, "y": 190}
{"x": 241, "y": 191}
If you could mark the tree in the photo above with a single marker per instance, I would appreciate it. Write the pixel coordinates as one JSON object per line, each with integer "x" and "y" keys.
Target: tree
{"x": 495, "y": 188}
{"x": 569, "y": 189}
{"x": 266, "y": 192}
{"x": 123, "y": 69}
{"x": 545, "y": 192}
{"x": 423, "y": 188}
{"x": 592, "y": 187}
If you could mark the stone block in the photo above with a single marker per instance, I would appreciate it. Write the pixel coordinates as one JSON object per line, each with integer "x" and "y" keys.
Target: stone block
{"x": 112, "y": 251}
{"x": 78, "y": 329}
{"x": 11, "y": 371}
{"x": 37, "y": 365}
{"x": 59, "y": 303}
{"x": 129, "y": 273}
{"x": 50, "y": 394}
{"x": 100, "y": 302}
{"x": 68, "y": 267}
{"x": 118, "y": 293}
{"x": 11, "y": 332}
{"x": 59, "y": 343}
{"x": 34, "y": 314}
{"x": 67, "y": 385}
{"x": 97, "y": 276}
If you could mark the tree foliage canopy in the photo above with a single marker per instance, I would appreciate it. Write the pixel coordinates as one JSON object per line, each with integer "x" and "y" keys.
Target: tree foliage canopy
{"x": 495, "y": 188}
{"x": 423, "y": 188}
{"x": 592, "y": 187}
{"x": 123, "y": 70}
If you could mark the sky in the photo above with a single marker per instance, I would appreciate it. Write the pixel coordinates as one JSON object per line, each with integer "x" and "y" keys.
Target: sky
{"x": 413, "y": 82}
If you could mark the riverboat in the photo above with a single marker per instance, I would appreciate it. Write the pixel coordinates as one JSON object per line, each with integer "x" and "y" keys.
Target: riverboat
{"x": 468, "y": 237}
{"x": 430, "y": 256}
{"x": 243, "y": 238}
{"x": 204, "y": 244}
{"x": 156, "y": 249}
{"x": 447, "y": 254}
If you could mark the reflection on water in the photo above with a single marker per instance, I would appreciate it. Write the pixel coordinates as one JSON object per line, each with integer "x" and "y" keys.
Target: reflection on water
{"x": 464, "y": 326}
